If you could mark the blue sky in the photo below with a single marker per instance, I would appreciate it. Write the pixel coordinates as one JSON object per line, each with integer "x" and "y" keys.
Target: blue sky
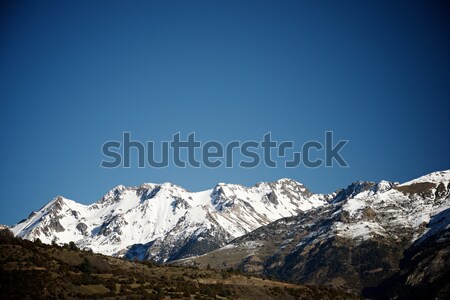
{"x": 75, "y": 74}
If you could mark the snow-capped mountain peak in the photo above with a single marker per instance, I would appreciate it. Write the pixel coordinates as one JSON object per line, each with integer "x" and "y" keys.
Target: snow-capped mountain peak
{"x": 435, "y": 177}
{"x": 358, "y": 237}
{"x": 164, "y": 217}
{"x": 166, "y": 222}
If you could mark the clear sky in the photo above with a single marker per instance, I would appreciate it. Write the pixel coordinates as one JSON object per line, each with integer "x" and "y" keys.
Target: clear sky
{"x": 75, "y": 74}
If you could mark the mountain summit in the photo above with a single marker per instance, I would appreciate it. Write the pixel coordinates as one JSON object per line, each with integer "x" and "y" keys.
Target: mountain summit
{"x": 164, "y": 221}
{"x": 356, "y": 241}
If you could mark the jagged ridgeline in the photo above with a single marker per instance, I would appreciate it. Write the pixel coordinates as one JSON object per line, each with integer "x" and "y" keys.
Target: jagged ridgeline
{"x": 395, "y": 236}
{"x": 355, "y": 238}
{"x": 164, "y": 222}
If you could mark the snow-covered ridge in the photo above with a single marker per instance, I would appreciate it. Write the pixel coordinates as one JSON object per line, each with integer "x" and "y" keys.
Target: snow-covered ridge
{"x": 374, "y": 220}
{"x": 166, "y": 222}
{"x": 435, "y": 177}
{"x": 165, "y": 216}
{"x": 396, "y": 208}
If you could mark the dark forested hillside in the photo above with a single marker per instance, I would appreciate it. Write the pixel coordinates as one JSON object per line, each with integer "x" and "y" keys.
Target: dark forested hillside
{"x": 32, "y": 270}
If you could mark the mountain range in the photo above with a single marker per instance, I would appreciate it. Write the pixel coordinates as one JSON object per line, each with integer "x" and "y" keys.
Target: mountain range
{"x": 163, "y": 222}
{"x": 364, "y": 236}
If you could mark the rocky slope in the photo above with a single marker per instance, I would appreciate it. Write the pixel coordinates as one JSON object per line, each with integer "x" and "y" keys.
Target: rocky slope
{"x": 425, "y": 268}
{"x": 355, "y": 242}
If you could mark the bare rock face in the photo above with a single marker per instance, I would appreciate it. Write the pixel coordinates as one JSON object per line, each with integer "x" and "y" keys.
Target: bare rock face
{"x": 82, "y": 227}
{"x": 221, "y": 199}
{"x": 55, "y": 225}
{"x": 272, "y": 197}
{"x": 353, "y": 189}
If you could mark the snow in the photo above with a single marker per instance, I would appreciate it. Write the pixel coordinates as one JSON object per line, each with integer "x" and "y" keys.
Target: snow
{"x": 167, "y": 214}
{"x": 362, "y": 230}
{"x": 354, "y": 205}
{"x": 435, "y": 177}
{"x": 126, "y": 216}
